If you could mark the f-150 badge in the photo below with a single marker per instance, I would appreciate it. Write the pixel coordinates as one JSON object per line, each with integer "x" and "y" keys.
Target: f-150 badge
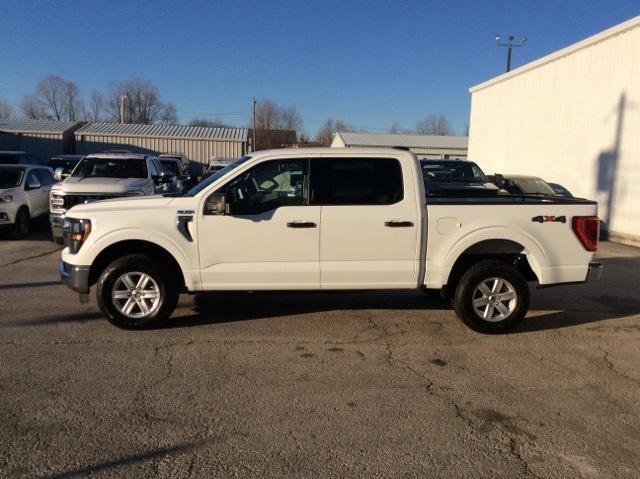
{"x": 549, "y": 219}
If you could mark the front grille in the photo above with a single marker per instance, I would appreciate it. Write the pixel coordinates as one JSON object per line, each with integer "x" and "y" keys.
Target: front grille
{"x": 71, "y": 200}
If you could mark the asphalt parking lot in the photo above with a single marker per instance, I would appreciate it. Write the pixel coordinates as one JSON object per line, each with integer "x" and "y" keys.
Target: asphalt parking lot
{"x": 310, "y": 385}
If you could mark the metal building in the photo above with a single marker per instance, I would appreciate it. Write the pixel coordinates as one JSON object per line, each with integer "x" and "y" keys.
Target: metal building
{"x": 198, "y": 144}
{"x": 571, "y": 117}
{"x": 425, "y": 146}
{"x": 43, "y": 138}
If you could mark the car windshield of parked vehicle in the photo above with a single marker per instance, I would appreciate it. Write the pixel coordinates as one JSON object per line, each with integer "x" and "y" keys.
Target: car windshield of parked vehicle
{"x": 111, "y": 168}
{"x": 10, "y": 177}
{"x": 452, "y": 172}
{"x": 8, "y": 159}
{"x": 171, "y": 166}
{"x": 206, "y": 182}
{"x": 66, "y": 165}
{"x": 534, "y": 186}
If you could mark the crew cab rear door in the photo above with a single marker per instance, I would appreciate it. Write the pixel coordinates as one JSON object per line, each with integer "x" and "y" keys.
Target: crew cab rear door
{"x": 269, "y": 238}
{"x": 370, "y": 225}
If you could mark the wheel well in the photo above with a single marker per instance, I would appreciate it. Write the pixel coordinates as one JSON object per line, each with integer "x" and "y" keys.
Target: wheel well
{"x": 147, "y": 248}
{"x": 507, "y": 251}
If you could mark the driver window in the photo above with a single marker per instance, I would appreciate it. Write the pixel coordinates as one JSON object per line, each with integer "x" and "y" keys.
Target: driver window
{"x": 270, "y": 185}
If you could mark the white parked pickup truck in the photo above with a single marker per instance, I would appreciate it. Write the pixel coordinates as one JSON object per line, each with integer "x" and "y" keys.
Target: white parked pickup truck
{"x": 102, "y": 176}
{"x": 326, "y": 219}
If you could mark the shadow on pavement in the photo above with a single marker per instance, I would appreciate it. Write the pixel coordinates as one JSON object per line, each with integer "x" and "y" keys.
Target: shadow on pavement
{"x": 128, "y": 460}
{"x": 212, "y": 308}
{"x": 29, "y": 285}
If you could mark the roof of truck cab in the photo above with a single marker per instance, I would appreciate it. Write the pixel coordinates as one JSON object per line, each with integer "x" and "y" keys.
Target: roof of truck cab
{"x": 119, "y": 156}
{"x": 327, "y": 151}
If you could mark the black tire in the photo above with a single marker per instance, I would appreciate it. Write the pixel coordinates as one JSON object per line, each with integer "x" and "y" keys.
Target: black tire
{"x": 134, "y": 264}
{"x": 20, "y": 228}
{"x": 466, "y": 291}
{"x": 57, "y": 239}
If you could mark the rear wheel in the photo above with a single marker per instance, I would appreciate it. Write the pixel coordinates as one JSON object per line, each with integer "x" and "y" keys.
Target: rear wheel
{"x": 492, "y": 297}
{"x": 133, "y": 292}
{"x": 21, "y": 226}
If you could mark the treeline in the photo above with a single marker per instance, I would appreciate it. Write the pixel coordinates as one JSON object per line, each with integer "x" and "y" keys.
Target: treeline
{"x": 54, "y": 98}
{"x": 139, "y": 101}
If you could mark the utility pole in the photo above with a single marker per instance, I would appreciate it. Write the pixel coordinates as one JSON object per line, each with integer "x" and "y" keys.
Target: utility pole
{"x": 123, "y": 97}
{"x": 510, "y": 45}
{"x": 254, "y": 125}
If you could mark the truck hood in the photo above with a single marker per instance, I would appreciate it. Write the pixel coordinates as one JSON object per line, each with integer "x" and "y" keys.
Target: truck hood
{"x": 78, "y": 184}
{"x": 9, "y": 191}
{"x": 121, "y": 204}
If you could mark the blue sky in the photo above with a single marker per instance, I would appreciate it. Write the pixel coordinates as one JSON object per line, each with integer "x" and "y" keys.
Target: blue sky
{"x": 369, "y": 63}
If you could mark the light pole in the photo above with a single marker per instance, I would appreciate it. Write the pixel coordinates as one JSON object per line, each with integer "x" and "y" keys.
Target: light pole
{"x": 509, "y": 46}
{"x": 253, "y": 146}
{"x": 123, "y": 97}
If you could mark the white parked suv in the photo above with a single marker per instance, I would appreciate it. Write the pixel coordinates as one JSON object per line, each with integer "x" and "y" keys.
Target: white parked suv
{"x": 326, "y": 219}
{"x": 101, "y": 176}
{"x": 24, "y": 195}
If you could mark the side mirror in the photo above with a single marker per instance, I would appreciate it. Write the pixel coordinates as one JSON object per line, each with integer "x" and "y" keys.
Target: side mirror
{"x": 499, "y": 182}
{"x": 32, "y": 184}
{"x": 217, "y": 204}
{"x": 57, "y": 174}
{"x": 163, "y": 177}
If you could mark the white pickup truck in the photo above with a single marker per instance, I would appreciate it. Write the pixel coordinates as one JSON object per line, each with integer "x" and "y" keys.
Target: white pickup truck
{"x": 326, "y": 219}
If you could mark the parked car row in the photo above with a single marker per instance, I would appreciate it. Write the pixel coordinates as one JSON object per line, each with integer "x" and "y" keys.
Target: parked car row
{"x": 466, "y": 178}
{"x": 29, "y": 190}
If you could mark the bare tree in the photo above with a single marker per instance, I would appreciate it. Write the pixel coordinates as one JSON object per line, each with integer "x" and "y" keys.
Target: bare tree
{"x": 169, "y": 114}
{"x": 6, "y": 111}
{"x": 72, "y": 105}
{"x": 434, "y": 125}
{"x": 209, "y": 123}
{"x": 329, "y": 129}
{"x": 271, "y": 116}
{"x": 96, "y": 106}
{"x": 50, "y": 94}
{"x": 141, "y": 105}
{"x": 32, "y": 109}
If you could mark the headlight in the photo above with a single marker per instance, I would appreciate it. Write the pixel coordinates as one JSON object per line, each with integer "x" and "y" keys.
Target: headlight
{"x": 75, "y": 232}
{"x": 6, "y": 199}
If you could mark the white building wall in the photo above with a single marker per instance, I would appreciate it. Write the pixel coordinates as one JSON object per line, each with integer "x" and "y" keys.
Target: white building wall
{"x": 572, "y": 118}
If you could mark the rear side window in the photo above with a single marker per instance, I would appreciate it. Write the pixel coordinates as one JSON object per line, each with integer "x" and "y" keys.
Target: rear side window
{"x": 361, "y": 181}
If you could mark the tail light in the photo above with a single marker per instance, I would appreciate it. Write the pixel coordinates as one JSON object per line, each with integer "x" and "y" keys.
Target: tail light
{"x": 587, "y": 229}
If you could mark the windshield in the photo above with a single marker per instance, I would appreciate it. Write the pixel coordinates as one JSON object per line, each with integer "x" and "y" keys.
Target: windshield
{"x": 206, "y": 182}
{"x": 452, "y": 172}
{"x": 111, "y": 168}
{"x": 534, "y": 186}
{"x": 66, "y": 165}
{"x": 10, "y": 177}
{"x": 171, "y": 166}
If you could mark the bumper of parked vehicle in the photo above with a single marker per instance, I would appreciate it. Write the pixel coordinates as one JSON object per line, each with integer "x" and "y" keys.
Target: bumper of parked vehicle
{"x": 595, "y": 271}
{"x": 7, "y": 216}
{"x": 56, "y": 220}
{"x": 75, "y": 277}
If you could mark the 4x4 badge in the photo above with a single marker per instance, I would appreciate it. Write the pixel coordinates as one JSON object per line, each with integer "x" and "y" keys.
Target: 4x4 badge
{"x": 549, "y": 219}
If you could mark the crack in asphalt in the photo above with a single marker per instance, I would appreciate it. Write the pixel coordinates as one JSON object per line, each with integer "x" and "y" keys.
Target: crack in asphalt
{"x": 609, "y": 364}
{"x": 27, "y": 258}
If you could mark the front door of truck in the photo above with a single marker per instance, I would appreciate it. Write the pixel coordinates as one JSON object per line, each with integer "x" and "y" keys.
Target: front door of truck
{"x": 259, "y": 232}
{"x": 370, "y": 224}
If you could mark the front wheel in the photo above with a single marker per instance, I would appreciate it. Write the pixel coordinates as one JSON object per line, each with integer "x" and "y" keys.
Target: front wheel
{"x": 21, "y": 227}
{"x": 133, "y": 292}
{"x": 492, "y": 297}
